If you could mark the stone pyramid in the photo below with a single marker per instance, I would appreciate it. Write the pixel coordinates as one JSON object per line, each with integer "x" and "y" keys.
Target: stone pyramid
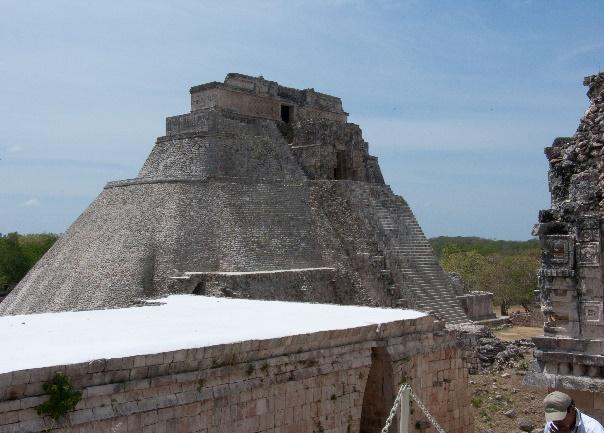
{"x": 261, "y": 191}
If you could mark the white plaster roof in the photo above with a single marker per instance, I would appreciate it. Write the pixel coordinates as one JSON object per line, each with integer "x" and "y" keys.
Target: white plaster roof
{"x": 180, "y": 322}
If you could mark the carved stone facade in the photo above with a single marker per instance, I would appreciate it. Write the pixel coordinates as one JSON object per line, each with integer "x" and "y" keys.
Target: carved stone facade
{"x": 570, "y": 354}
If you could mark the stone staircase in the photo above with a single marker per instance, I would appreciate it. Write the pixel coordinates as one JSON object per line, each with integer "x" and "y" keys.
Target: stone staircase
{"x": 408, "y": 253}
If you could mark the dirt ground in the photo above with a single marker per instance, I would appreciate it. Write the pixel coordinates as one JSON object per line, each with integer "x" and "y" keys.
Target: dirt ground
{"x": 518, "y": 332}
{"x": 499, "y": 400}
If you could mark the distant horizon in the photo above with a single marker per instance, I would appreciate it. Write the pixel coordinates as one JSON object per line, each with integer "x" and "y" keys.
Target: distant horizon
{"x": 457, "y": 100}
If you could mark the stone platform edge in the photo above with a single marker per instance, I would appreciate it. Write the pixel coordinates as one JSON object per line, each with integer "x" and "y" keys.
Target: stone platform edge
{"x": 133, "y": 388}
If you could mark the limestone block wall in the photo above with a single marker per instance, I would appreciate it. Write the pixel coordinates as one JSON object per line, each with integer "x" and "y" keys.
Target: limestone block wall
{"x": 257, "y": 97}
{"x": 222, "y": 146}
{"x": 477, "y": 305}
{"x": 533, "y": 318}
{"x": 323, "y": 285}
{"x": 320, "y": 382}
{"x": 237, "y": 101}
{"x": 331, "y": 150}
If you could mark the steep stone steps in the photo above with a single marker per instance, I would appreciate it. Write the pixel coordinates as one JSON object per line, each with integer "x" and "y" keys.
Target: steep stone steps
{"x": 406, "y": 248}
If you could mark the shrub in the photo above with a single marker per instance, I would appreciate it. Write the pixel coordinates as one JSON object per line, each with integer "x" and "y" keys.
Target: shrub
{"x": 62, "y": 399}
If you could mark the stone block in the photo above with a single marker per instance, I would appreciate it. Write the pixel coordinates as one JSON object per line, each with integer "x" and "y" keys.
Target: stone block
{"x": 97, "y": 365}
{"x": 125, "y": 363}
{"x": 20, "y": 377}
{"x": 81, "y": 416}
{"x": 9, "y": 418}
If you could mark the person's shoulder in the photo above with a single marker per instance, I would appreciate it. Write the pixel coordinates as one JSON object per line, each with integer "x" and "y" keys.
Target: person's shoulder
{"x": 591, "y": 425}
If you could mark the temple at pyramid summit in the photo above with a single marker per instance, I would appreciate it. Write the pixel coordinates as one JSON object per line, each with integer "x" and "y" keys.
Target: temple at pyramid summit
{"x": 261, "y": 191}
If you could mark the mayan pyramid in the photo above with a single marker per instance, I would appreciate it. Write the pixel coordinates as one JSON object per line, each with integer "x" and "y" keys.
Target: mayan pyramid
{"x": 261, "y": 191}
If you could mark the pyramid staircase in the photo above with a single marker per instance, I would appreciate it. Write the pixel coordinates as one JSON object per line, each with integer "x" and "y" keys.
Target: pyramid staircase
{"x": 408, "y": 252}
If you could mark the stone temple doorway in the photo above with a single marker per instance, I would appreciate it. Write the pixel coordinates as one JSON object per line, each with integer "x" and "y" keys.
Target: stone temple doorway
{"x": 200, "y": 288}
{"x": 341, "y": 170}
{"x": 287, "y": 113}
{"x": 379, "y": 393}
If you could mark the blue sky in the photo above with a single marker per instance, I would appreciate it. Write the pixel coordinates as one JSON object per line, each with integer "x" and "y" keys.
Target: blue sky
{"x": 457, "y": 99}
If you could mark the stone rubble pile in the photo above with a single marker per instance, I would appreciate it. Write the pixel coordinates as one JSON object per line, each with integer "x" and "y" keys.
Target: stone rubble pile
{"x": 499, "y": 354}
{"x": 483, "y": 350}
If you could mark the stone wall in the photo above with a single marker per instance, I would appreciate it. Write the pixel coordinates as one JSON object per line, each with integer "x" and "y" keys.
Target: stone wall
{"x": 532, "y": 318}
{"x": 226, "y": 145}
{"x": 320, "y": 382}
{"x": 228, "y": 99}
{"x": 331, "y": 150}
{"x": 307, "y": 285}
{"x": 477, "y": 305}
{"x": 257, "y": 97}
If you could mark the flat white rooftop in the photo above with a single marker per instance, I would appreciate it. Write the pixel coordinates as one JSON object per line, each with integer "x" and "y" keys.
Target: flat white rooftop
{"x": 180, "y": 322}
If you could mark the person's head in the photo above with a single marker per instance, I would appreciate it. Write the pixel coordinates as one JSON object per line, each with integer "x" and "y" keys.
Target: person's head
{"x": 560, "y": 411}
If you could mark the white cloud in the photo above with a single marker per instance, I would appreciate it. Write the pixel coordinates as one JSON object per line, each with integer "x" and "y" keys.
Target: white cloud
{"x": 33, "y": 202}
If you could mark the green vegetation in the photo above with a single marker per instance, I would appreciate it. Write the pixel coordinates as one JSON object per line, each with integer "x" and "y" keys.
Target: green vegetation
{"x": 476, "y": 402}
{"x": 62, "y": 397}
{"x": 482, "y": 246}
{"x": 506, "y": 268}
{"x": 19, "y": 253}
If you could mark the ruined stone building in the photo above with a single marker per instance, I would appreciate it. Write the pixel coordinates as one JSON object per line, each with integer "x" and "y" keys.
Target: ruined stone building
{"x": 261, "y": 191}
{"x": 571, "y": 353}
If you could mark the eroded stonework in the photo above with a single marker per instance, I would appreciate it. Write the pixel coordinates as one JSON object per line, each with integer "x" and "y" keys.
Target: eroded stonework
{"x": 339, "y": 381}
{"x": 570, "y": 355}
{"x": 261, "y": 191}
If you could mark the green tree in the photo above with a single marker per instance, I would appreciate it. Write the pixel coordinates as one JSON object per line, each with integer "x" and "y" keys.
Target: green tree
{"x": 481, "y": 245}
{"x": 514, "y": 280}
{"x": 34, "y": 246}
{"x": 13, "y": 264}
{"x": 18, "y": 253}
{"x": 506, "y": 268}
{"x": 472, "y": 266}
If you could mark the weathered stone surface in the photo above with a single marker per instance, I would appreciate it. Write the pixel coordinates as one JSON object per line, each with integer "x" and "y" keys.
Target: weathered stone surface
{"x": 533, "y": 318}
{"x": 477, "y": 305}
{"x": 262, "y": 191}
{"x": 572, "y": 290}
{"x": 341, "y": 380}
